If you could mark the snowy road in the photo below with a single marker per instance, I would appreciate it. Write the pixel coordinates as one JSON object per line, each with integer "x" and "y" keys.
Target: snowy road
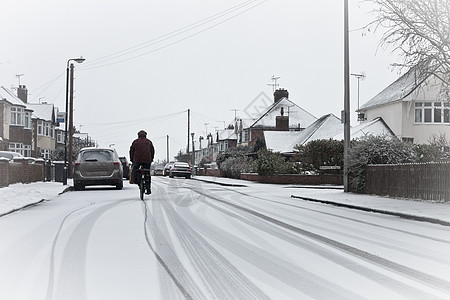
{"x": 195, "y": 240}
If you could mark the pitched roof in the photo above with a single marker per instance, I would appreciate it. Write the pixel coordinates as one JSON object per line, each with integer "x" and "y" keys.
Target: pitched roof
{"x": 397, "y": 90}
{"x": 323, "y": 128}
{"x": 225, "y": 134}
{"x": 8, "y": 95}
{"x": 327, "y": 127}
{"x": 375, "y": 127}
{"x": 298, "y": 117}
{"x": 43, "y": 111}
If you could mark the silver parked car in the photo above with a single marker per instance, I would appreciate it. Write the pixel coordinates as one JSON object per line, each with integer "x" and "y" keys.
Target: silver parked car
{"x": 97, "y": 166}
{"x": 180, "y": 169}
{"x": 10, "y": 155}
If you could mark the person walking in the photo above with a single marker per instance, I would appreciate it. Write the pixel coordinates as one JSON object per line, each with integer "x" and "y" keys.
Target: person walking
{"x": 142, "y": 153}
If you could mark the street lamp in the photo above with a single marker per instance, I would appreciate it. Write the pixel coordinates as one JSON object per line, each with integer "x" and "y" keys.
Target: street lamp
{"x": 77, "y": 60}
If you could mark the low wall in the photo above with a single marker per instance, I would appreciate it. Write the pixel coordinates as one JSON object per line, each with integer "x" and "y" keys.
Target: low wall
{"x": 21, "y": 171}
{"x": 210, "y": 172}
{"x": 295, "y": 179}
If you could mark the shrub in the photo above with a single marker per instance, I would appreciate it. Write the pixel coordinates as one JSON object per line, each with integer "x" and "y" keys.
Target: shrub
{"x": 270, "y": 163}
{"x": 374, "y": 150}
{"x": 320, "y": 153}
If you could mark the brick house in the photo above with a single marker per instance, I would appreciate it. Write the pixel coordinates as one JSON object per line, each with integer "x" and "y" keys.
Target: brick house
{"x": 282, "y": 115}
{"x": 16, "y": 132}
{"x": 44, "y": 124}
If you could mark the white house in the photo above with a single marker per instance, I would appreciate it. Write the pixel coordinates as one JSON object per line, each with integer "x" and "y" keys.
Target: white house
{"x": 413, "y": 107}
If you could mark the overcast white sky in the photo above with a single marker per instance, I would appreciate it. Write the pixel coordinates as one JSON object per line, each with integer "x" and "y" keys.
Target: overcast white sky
{"x": 211, "y": 68}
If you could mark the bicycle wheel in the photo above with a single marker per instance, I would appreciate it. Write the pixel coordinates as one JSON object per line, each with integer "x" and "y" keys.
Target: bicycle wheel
{"x": 142, "y": 188}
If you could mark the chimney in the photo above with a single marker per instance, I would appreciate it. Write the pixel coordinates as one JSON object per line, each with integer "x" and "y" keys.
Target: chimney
{"x": 22, "y": 93}
{"x": 282, "y": 122}
{"x": 280, "y": 94}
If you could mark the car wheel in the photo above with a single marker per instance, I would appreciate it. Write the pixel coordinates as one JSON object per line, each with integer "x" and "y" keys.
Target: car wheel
{"x": 170, "y": 175}
{"x": 78, "y": 186}
{"x": 188, "y": 176}
{"x": 119, "y": 186}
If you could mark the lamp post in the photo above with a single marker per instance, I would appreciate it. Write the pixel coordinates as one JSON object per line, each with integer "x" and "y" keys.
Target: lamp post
{"x": 77, "y": 60}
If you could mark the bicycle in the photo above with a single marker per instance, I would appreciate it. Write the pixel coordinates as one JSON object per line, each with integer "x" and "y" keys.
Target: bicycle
{"x": 144, "y": 181}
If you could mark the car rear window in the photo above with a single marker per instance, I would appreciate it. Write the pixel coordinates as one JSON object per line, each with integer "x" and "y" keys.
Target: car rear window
{"x": 97, "y": 155}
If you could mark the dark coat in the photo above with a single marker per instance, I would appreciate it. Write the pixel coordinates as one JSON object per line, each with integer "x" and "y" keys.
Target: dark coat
{"x": 142, "y": 150}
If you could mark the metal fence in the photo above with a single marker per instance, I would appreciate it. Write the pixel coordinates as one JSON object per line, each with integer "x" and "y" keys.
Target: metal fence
{"x": 428, "y": 181}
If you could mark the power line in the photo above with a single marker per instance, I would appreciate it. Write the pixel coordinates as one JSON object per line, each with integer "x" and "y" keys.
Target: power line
{"x": 92, "y": 66}
{"x": 167, "y": 36}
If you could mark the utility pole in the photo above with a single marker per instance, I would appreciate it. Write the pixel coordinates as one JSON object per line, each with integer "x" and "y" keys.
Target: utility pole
{"x": 167, "y": 148}
{"x": 346, "y": 114}
{"x": 71, "y": 123}
{"x": 189, "y": 130}
{"x": 193, "y": 156}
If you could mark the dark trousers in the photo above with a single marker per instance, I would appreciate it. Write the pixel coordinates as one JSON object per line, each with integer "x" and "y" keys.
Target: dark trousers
{"x": 137, "y": 175}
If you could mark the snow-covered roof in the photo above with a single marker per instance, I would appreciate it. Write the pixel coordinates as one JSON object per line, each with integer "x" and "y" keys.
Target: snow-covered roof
{"x": 298, "y": 117}
{"x": 327, "y": 127}
{"x": 8, "y": 95}
{"x": 398, "y": 90}
{"x": 225, "y": 134}
{"x": 43, "y": 111}
{"x": 375, "y": 127}
{"x": 323, "y": 128}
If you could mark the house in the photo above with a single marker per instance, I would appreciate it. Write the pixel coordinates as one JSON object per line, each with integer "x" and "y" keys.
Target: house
{"x": 44, "y": 124}
{"x": 327, "y": 127}
{"x": 281, "y": 115}
{"x": 15, "y": 122}
{"x": 413, "y": 106}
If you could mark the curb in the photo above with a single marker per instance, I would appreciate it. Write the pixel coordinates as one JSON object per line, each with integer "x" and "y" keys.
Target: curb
{"x": 220, "y": 183}
{"x": 380, "y": 211}
{"x": 23, "y": 207}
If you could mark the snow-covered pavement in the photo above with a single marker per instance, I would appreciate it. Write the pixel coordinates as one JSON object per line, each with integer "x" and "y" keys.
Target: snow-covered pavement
{"x": 19, "y": 195}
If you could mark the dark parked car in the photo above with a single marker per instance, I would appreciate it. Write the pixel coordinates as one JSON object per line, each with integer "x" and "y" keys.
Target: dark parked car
{"x": 126, "y": 167}
{"x": 180, "y": 169}
{"x": 167, "y": 167}
{"x": 97, "y": 166}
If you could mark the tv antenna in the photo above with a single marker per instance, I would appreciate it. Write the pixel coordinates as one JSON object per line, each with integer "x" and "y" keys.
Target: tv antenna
{"x": 274, "y": 84}
{"x": 18, "y": 77}
{"x": 359, "y": 77}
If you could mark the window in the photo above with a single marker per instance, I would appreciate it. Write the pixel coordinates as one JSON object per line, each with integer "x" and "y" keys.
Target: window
{"x": 431, "y": 112}
{"x": 46, "y": 129}
{"x": 60, "y": 137}
{"x": 27, "y": 150}
{"x": 40, "y": 127}
{"x": 27, "y": 120}
{"x": 45, "y": 153}
{"x": 245, "y": 136}
{"x": 17, "y": 116}
{"x": 16, "y": 147}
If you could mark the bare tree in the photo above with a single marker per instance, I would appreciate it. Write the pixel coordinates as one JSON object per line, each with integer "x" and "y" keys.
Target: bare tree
{"x": 419, "y": 30}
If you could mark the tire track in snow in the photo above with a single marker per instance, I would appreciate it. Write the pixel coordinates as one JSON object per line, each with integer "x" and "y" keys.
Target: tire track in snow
{"x": 51, "y": 276}
{"x": 71, "y": 283}
{"x": 405, "y": 271}
{"x": 446, "y": 241}
{"x": 167, "y": 258}
{"x": 223, "y": 279}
